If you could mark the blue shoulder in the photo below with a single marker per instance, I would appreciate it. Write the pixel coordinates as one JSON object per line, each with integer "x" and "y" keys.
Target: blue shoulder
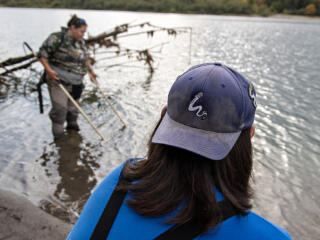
{"x": 250, "y": 227}
{"x": 95, "y": 205}
{"x": 268, "y": 229}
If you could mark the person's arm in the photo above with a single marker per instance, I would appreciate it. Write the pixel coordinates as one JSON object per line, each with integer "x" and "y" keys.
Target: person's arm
{"x": 93, "y": 76}
{"x": 47, "y": 48}
{"x": 51, "y": 73}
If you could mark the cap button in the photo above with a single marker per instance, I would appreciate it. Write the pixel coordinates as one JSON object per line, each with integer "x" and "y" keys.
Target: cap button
{"x": 218, "y": 64}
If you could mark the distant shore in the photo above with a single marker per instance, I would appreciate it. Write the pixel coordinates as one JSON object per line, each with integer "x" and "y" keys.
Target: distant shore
{"x": 288, "y": 16}
{"x": 20, "y": 219}
{"x": 276, "y": 15}
{"x": 232, "y": 7}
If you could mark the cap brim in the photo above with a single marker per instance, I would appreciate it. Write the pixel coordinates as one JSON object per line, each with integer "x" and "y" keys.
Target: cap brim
{"x": 214, "y": 146}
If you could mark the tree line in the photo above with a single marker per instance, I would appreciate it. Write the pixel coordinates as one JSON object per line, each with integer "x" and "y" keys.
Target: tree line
{"x": 244, "y": 7}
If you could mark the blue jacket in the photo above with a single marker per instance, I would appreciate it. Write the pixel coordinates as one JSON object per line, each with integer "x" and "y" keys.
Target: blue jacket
{"x": 130, "y": 225}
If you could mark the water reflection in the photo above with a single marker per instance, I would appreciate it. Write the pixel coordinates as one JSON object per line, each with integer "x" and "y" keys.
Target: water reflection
{"x": 74, "y": 161}
{"x": 4, "y": 87}
{"x": 146, "y": 84}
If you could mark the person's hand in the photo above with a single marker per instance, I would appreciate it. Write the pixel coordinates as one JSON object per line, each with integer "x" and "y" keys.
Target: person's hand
{"x": 52, "y": 75}
{"x": 93, "y": 77}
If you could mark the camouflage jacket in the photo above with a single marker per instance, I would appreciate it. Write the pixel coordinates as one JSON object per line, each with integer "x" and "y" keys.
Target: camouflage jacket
{"x": 66, "y": 56}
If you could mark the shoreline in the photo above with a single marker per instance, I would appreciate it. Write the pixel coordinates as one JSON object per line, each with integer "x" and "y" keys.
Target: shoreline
{"x": 288, "y": 16}
{"x": 275, "y": 15}
{"x": 21, "y": 219}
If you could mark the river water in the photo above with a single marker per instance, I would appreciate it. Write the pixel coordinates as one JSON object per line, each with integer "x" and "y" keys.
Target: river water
{"x": 280, "y": 56}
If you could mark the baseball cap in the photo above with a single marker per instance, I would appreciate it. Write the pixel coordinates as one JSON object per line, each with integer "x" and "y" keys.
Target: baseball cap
{"x": 208, "y": 107}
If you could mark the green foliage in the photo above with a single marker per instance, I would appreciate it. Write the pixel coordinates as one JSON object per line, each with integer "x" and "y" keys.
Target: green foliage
{"x": 277, "y": 6}
{"x": 260, "y": 7}
{"x": 311, "y": 9}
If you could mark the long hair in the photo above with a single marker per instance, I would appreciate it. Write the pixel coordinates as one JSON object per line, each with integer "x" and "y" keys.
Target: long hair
{"x": 171, "y": 178}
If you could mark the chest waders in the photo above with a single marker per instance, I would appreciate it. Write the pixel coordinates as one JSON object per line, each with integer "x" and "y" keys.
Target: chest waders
{"x": 188, "y": 230}
{"x": 43, "y": 76}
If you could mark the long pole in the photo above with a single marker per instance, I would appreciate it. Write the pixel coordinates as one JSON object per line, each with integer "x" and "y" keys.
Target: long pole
{"x": 80, "y": 110}
{"x": 105, "y": 97}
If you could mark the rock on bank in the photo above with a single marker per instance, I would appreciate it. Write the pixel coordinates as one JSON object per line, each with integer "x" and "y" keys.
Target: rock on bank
{"x": 20, "y": 219}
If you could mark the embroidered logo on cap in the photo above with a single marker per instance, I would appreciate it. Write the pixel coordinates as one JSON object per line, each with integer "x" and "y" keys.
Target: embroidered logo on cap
{"x": 252, "y": 95}
{"x": 201, "y": 114}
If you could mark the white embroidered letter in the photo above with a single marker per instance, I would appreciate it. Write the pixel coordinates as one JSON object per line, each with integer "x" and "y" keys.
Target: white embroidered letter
{"x": 193, "y": 108}
{"x": 252, "y": 95}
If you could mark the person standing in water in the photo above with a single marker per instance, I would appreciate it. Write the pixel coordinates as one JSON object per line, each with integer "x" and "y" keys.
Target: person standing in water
{"x": 195, "y": 181}
{"x": 65, "y": 58}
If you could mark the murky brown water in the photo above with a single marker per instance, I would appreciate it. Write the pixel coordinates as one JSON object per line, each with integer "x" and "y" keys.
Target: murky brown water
{"x": 280, "y": 56}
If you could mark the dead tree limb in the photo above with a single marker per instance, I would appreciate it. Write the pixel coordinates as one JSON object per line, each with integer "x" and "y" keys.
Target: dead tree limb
{"x": 13, "y": 61}
{"x": 108, "y": 40}
{"x": 24, "y": 66}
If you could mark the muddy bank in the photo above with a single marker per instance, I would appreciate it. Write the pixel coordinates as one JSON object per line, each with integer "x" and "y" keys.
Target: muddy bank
{"x": 20, "y": 219}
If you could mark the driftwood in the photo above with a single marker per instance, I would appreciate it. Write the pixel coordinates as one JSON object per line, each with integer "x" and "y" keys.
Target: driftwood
{"x": 118, "y": 30}
{"x": 107, "y": 40}
{"x": 12, "y": 61}
{"x": 24, "y": 66}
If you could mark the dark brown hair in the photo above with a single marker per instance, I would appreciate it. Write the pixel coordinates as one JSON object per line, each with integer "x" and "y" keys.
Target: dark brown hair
{"x": 77, "y": 22}
{"x": 171, "y": 177}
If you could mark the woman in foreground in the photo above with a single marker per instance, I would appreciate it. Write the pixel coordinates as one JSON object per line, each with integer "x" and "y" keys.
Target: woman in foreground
{"x": 195, "y": 181}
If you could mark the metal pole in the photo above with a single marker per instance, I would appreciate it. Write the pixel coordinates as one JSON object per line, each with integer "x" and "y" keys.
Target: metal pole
{"x": 105, "y": 97}
{"x": 80, "y": 110}
{"x": 109, "y": 103}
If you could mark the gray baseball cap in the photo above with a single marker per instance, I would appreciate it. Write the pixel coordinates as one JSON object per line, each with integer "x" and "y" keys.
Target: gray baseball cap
{"x": 208, "y": 107}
